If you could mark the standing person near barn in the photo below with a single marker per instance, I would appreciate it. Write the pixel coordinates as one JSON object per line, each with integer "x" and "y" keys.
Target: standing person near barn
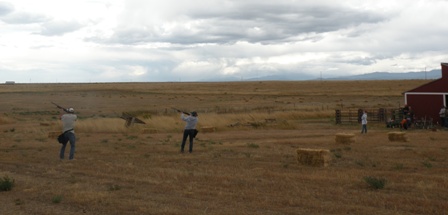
{"x": 68, "y": 125}
{"x": 410, "y": 117}
{"x": 364, "y": 122}
{"x": 405, "y": 110}
{"x": 189, "y": 130}
{"x": 442, "y": 114}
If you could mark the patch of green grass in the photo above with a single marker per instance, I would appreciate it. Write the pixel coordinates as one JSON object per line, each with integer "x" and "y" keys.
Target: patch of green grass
{"x": 336, "y": 151}
{"x": 253, "y": 145}
{"x": 19, "y": 202}
{"x": 337, "y": 154}
{"x": 431, "y": 158}
{"x": 359, "y": 163}
{"x": 247, "y": 154}
{"x": 398, "y": 166}
{"x": 132, "y": 137}
{"x": 56, "y": 199}
{"x": 375, "y": 183}
{"x": 114, "y": 187}
{"x": 6, "y": 183}
{"x": 427, "y": 164}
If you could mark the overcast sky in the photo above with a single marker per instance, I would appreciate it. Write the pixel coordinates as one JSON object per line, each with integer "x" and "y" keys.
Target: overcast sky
{"x": 195, "y": 40}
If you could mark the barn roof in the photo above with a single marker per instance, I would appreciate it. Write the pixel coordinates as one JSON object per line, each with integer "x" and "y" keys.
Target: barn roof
{"x": 437, "y": 86}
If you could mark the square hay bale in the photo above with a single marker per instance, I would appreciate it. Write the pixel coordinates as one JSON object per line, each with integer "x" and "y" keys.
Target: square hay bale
{"x": 206, "y": 129}
{"x": 313, "y": 157}
{"x": 345, "y": 138}
{"x": 397, "y": 137}
{"x": 53, "y": 134}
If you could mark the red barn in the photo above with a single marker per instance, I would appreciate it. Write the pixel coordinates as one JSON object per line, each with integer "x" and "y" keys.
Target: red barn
{"x": 426, "y": 100}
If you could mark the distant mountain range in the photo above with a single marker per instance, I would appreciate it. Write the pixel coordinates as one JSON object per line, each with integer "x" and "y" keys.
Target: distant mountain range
{"x": 433, "y": 74}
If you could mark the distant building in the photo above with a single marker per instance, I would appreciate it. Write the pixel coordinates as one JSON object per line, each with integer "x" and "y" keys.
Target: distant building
{"x": 426, "y": 100}
{"x": 10, "y": 82}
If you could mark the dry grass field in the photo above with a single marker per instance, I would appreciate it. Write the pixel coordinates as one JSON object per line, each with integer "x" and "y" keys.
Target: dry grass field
{"x": 247, "y": 165}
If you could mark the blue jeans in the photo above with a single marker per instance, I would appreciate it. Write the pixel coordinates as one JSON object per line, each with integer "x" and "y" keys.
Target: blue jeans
{"x": 72, "y": 139}
{"x": 364, "y": 129}
{"x": 187, "y": 133}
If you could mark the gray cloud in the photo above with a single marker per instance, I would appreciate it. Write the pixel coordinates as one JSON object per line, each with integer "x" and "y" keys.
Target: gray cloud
{"x": 5, "y": 8}
{"x": 24, "y": 18}
{"x": 254, "y": 23}
{"x": 58, "y": 28}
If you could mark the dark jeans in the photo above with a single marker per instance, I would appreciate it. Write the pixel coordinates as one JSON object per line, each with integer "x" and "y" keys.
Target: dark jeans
{"x": 364, "y": 129}
{"x": 72, "y": 139}
{"x": 187, "y": 133}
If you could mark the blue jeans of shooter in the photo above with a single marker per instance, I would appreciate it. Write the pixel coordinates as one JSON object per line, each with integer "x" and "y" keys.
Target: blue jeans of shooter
{"x": 364, "y": 129}
{"x": 72, "y": 139}
{"x": 187, "y": 133}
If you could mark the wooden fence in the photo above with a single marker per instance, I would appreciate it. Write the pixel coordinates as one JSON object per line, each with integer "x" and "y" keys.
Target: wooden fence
{"x": 374, "y": 115}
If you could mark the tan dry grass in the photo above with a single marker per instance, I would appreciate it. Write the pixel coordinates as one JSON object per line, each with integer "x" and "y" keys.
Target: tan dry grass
{"x": 6, "y": 120}
{"x": 101, "y": 125}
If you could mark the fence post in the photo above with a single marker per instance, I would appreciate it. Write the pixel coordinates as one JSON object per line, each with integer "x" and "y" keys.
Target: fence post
{"x": 338, "y": 116}
{"x": 360, "y": 112}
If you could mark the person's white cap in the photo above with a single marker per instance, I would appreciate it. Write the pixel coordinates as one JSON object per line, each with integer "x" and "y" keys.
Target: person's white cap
{"x": 71, "y": 110}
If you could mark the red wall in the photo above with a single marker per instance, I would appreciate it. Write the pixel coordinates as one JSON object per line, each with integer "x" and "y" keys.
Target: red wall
{"x": 425, "y": 105}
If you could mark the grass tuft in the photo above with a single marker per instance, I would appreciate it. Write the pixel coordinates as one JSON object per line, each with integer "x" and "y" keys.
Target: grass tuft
{"x": 375, "y": 183}
{"x": 56, "y": 199}
{"x": 6, "y": 183}
{"x": 253, "y": 145}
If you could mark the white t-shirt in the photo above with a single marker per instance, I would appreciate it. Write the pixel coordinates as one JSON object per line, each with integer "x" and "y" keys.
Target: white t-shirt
{"x": 364, "y": 119}
{"x": 68, "y": 122}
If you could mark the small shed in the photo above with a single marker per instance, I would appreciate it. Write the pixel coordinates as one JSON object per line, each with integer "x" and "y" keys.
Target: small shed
{"x": 427, "y": 100}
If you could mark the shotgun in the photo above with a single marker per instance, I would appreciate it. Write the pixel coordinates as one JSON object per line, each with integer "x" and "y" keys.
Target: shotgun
{"x": 60, "y": 107}
{"x": 181, "y": 111}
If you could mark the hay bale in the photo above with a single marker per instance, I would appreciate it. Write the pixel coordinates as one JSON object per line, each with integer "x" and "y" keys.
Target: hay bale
{"x": 313, "y": 157}
{"x": 206, "y": 129}
{"x": 53, "y": 134}
{"x": 345, "y": 138}
{"x": 397, "y": 137}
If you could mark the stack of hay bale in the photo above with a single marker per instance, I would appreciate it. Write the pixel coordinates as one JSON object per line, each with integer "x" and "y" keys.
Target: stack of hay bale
{"x": 344, "y": 138}
{"x": 397, "y": 137}
{"x": 313, "y": 157}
